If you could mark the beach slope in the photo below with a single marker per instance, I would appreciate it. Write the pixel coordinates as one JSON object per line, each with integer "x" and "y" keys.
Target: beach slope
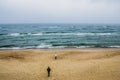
{"x": 71, "y": 64}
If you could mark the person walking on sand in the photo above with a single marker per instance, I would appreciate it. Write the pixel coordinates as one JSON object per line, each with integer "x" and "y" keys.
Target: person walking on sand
{"x": 48, "y": 70}
{"x": 56, "y": 56}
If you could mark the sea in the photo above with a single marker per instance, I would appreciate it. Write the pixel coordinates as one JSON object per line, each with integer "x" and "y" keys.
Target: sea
{"x": 55, "y": 36}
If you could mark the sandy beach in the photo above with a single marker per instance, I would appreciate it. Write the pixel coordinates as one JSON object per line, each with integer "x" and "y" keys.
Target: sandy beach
{"x": 72, "y": 64}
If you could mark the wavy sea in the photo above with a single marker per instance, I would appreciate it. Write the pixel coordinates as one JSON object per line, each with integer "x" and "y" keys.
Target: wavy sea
{"x": 48, "y": 36}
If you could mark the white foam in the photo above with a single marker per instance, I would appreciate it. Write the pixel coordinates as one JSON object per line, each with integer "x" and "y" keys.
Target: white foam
{"x": 16, "y": 48}
{"x": 115, "y": 46}
{"x": 14, "y": 34}
{"x": 36, "y": 34}
{"x": 63, "y": 34}
{"x": 44, "y": 45}
{"x": 82, "y": 34}
{"x": 70, "y": 34}
{"x": 48, "y": 46}
{"x": 28, "y": 33}
{"x": 58, "y": 47}
{"x": 10, "y": 48}
{"x": 105, "y": 33}
{"x": 84, "y": 46}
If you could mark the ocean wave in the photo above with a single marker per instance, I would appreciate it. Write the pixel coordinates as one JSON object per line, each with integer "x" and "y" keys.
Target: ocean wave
{"x": 53, "y": 47}
{"x": 15, "y": 34}
{"x": 62, "y": 34}
{"x": 11, "y": 48}
{"x": 44, "y": 45}
{"x": 35, "y": 34}
{"x": 114, "y": 46}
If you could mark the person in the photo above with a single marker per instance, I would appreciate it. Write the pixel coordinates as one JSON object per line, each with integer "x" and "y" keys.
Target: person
{"x": 56, "y": 56}
{"x": 48, "y": 70}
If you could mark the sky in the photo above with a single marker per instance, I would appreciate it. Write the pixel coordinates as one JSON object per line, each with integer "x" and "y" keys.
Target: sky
{"x": 59, "y": 11}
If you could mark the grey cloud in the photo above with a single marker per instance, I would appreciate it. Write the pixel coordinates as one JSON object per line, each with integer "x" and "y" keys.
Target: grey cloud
{"x": 60, "y": 11}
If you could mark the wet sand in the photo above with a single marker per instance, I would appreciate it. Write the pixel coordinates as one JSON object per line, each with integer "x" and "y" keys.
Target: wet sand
{"x": 72, "y": 64}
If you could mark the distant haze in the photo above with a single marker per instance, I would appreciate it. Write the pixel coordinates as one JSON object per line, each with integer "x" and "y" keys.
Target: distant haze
{"x": 59, "y": 11}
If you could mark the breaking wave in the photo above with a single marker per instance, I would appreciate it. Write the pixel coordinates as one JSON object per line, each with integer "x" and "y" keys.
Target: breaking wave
{"x": 45, "y": 33}
{"x": 49, "y": 46}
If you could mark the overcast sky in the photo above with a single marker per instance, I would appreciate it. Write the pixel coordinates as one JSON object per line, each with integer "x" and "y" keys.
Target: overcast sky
{"x": 59, "y": 11}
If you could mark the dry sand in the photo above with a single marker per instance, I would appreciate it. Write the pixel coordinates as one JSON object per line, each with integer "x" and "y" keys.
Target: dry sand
{"x": 74, "y": 64}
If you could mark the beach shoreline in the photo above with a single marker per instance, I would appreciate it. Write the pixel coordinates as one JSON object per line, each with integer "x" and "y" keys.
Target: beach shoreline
{"x": 63, "y": 49}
